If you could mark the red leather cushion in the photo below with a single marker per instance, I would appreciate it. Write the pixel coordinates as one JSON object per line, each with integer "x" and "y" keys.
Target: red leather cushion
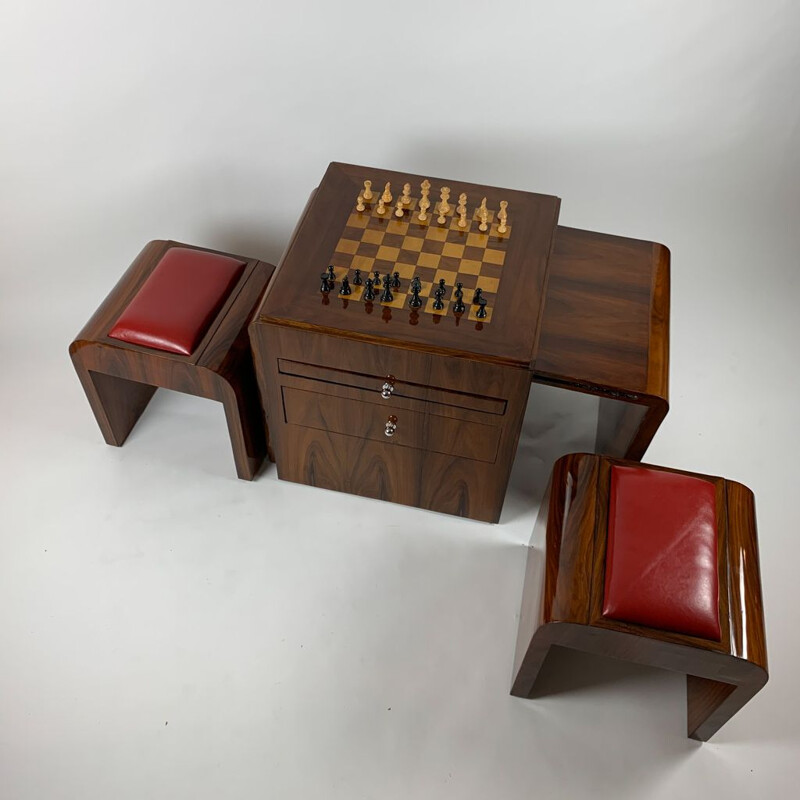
{"x": 661, "y": 559}
{"x": 179, "y": 300}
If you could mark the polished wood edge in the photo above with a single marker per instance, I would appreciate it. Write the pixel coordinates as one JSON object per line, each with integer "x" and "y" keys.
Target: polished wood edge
{"x": 394, "y": 343}
{"x": 658, "y": 355}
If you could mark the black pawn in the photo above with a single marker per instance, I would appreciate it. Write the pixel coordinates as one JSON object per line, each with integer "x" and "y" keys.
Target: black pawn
{"x": 438, "y": 305}
{"x": 396, "y": 281}
{"x": 442, "y": 286}
{"x": 477, "y": 296}
{"x": 345, "y": 287}
{"x": 386, "y": 295}
{"x": 459, "y": 307}
{"x": 357, "y": 278}
{"x": 369, "y": 292}
{"x": 323, "y": 286}
{"x": 331, "y": 277}
{"x": 377, "y": 279}
{"x": 481, "y": 312}
{"x": 416, "y": 282}
{"x": 415, "y": 301}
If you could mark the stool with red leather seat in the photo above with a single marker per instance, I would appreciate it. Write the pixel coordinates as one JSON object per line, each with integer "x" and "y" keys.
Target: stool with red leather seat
{"x": 177, "y": 319}
{"x": 649, "y": 565}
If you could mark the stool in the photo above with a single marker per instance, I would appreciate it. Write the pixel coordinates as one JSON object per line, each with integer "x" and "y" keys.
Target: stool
{"x": 654, "y": 566}
{"x": 178, "y": 319}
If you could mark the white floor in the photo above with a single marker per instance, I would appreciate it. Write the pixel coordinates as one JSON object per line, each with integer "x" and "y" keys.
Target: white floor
{"x": 167, "y": 631}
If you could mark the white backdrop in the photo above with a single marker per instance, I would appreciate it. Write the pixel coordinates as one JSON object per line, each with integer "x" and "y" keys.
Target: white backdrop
{"x": 168, "y": 631}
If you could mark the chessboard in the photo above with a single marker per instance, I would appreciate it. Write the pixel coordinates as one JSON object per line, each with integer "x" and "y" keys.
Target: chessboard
{"x": 374, "y": 245}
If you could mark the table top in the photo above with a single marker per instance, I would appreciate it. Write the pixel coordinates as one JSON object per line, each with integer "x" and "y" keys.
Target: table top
{"x": 456, "y": 245}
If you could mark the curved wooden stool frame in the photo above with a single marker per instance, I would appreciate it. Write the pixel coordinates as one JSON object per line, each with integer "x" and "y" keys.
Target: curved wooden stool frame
{"x": 721, "y": 676}
{"x": 119, "y": 378}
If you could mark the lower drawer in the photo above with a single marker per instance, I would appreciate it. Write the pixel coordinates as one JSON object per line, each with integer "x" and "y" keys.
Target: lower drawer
{"x": 366, "y": 420}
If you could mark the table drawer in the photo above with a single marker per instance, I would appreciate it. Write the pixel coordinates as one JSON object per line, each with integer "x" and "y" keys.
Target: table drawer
{"x": 366, "y": 419}
{"x": 399, "y": 387}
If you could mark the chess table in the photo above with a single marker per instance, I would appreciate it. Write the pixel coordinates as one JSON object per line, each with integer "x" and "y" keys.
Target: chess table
{"x": 407, "y": 402}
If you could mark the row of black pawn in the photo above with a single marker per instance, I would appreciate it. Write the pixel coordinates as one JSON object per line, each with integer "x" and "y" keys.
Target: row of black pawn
{"x": 328, "y": 283}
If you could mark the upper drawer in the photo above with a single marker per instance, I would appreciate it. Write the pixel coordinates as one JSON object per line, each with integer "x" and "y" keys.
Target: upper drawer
{"x": 366, "y": 419}
{"x": 393, "y": 386}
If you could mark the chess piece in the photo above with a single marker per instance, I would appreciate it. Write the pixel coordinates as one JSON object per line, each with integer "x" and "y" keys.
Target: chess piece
{"x": 331, "y": 277}
{"x": 476, "y": 298}
{"x": 484, "y": 220}
{"x": 459, "y": 307}
{"x": 381, "y": 209}
{"x": 415, "y": 300}
{"x": 444, "y": 205}
{"x": 360, "y": 203}
{"x": 369, "y": 292}
{"x": 424, "y": 205}
{"x": 386, "y": 295}
{"x": 377, "y": 278}
{"x": 442, "y": 286}
{"x": 406, "y": 194}
{"x": 396, "y": 280}
{"x": 357, "y": 278}
{"x": 481, "y": 312}
{"x": 441, "y": 219}
{"x": 482, "y": 207}
{"x": 387, "y": 194}
{"x": 462, "y": 218}
{"x": 345, "y": 287}
{"x": 502, "y": 215}
{"x": 425, "y": 187}
{"x": 438, "y": 305}
{"x": 367, "y": 190}
{"x": 323, "y": 285}
{"x": 416, "y": 283}
{"x": 462, "y": 202}
{"x": 399, "y": 207}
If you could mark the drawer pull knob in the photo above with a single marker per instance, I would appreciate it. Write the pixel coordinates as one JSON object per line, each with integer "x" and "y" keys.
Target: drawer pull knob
{"x": 387, "y": 388}
{"x": 391, "y": 426}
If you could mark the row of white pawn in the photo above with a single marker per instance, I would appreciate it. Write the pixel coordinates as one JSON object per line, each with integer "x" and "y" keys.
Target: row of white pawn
{"x": 424, "y": 204}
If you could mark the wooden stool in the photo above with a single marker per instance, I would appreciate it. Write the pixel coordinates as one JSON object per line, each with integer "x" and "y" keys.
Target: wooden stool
{"x": 654, "y": 566}
{"x": 177, "y": 318}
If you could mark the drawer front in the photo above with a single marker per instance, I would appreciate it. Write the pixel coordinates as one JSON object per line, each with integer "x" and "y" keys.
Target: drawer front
{"x": 359, "y": 416}
{"x": 392, "y": 386}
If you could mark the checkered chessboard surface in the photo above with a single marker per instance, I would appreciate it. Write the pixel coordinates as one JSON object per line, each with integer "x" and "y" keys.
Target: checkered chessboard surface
{"x": 427, "y": 250}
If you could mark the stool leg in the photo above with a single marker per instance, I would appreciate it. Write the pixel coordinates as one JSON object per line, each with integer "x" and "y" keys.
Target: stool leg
{"x": 117, "y": 403}
{"x": 711, "y": 703}
{"x": 246, "y": 427}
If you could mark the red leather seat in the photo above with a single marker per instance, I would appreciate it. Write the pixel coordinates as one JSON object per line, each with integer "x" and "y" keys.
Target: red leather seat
{"x": 661, "y": 558}
{"x": 179, "y": 300}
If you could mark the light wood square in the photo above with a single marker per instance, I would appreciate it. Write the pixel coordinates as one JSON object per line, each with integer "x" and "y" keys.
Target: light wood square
{"x": 494, "y": 256}
{"x": 473, "y": 314}
{"x": 489, "y": 284}
{"x": 373, "y": 237}
{"x": 477, "y": 239}
{"x": 451, "y": 249}
{"x": 437, "y": 234}
{"x": 449, "y": 277}
{"x": 412, "y": 243}
{"x": 405, "y": 270}
{"x": 357, "y": 220}
{"x": 397, "y": 225}
{"x": 364, "y": 263}
{"x": 388, "y": 253}
{"x": 347, "y": 246}
{"x": 431, "y": 310}
{"x": 470, "y": 267}
{"x": 428, "y": 260}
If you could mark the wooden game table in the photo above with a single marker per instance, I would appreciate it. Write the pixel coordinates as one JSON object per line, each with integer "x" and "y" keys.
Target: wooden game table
{"x": 394, "y": 399}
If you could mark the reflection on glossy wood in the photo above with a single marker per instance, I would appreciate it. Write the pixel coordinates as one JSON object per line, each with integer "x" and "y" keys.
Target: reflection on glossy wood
{"x": 566, "y": 608}
{"x": 605, "y": 331}
{"x": 119, "y": 378}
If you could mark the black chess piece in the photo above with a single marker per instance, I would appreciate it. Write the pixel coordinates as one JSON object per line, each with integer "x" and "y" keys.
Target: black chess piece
{"x": 442, "y": 286}
{"x": 481, "y": 312}
{"x": 459, "y": 307}
{"x": 345, "y": 287}
{"x": 438, "y": 305}
{"x": 386, "y": 295}
{"x": 415, "y": 301}
{"x": 369, "y": 292}
{"x": 323, "y": 286}
{"x": 415, "y": 281}
{"x": 377, "y": 279}
{"x": 396, "y": 281}
{"x": 331, "y": 277}
{"x": 477, "y": 296}
{"x": 357, "y": 278}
